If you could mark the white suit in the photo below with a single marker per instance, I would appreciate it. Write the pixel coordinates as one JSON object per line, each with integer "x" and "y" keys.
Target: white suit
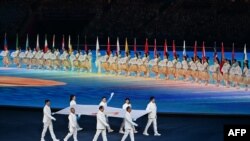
{"x": 124, "y": 107}
{"x": 152, "y": 108}
{"x": 72, "y": 127}
{"x": 47, "y": 123}
{"x": 129, "y": 127}
{"x": 101, "y": 126}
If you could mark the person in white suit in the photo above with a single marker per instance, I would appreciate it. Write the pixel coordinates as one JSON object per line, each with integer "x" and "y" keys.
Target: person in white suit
{"x": 105, "y": 105}
{"x": 124, "y": 107}
{"x": 72, "y": 125}
{"x": 72, "y": 104}
{"x": 152, "y": 117}
{"x": 47, "y": 121}
{"x": 101, "y": 125}
{"x": 129, "y": 125}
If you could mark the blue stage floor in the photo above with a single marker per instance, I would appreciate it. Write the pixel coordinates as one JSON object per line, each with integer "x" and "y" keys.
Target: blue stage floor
{"x": 172, "y": 96}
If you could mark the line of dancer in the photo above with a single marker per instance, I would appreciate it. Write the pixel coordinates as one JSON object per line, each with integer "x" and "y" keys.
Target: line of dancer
{"x": 102, "y": 123}
{"x": 227, "y": 72}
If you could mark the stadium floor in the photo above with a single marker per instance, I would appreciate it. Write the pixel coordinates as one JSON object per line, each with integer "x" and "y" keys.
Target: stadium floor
{"x": 25, "y": 124}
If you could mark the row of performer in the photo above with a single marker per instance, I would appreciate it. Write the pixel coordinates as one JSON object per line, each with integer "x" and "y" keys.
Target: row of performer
{"x": 195, "y": 69}
{"x": 128, "y": 126}
{"x": 50, "y": 60}
{"x": 188, "y": 69}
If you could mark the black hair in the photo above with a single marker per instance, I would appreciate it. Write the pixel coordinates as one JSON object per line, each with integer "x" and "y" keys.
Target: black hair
{"x": 101, "y": 107}
{"x": 151, "y": 98}
{"x": 71, "y": 97}
{"x": 46, "y": 101}
{"x": 128, "y": 108}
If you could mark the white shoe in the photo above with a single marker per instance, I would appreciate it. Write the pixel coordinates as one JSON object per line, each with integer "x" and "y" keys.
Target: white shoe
{"x": 121, "y": 132}
{"x": 146, "y": 134}
{"x": 157, "y": 134}
{"x": 42, "y": 140}
{"x": 110, "y": 130}
{"x": 79, "y": 129}
{"x": 135, "y": 131}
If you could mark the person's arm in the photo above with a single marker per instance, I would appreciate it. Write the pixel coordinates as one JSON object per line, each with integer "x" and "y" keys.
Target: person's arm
{"x": 110, "y": 98}
{"x": 102, "y": 120}
{"x": 48, "y": 115}
{"x": 129, "y": 119}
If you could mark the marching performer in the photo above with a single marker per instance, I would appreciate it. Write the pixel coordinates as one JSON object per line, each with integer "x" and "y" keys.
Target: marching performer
{"x": 114, "y": 65}
{"x": 225, "y": 70}
{"x": 152, "y": 117}
{"x": 124, "y": 107}
{"x": 101, "y": 125}
{"x": 129, "y": 125}
{"x": 104, "y": 104}
{"x": 72, "y": 125}
{"x": 73, "y": 104}
{"x": 47, "y": 121}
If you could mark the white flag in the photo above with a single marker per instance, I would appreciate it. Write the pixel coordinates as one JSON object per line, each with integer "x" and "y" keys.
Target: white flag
{"x": 184, "y": 48}
{"x": 97, "y": 47}
{"x": 245, "y": 52}
{"x": 118, "y": 46}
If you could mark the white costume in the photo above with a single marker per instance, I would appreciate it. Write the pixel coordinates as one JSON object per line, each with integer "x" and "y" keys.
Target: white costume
{"x": 47, "y": 123}
{"x": 101, "y": 126}
{"x": 151, "y": 107}
{"x": 124, "y": 107}
{"x": 129, "y": 127}
{"x": 72, "y": 127}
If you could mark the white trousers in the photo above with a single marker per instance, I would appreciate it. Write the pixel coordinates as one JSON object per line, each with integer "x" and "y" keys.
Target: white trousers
{"x": 98, "y": 132}
{"x": 150, "y": 120}
{"x": 71, "y": 132}
{"x": 45, "y": 127}
{"x": 131, "y": 134}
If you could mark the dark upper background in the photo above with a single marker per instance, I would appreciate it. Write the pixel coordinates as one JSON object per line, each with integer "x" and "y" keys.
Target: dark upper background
{"x": 190, "y": 20}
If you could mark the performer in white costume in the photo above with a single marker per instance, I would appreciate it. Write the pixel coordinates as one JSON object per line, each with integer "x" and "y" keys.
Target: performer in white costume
{"x": 101, "y": 125}
{"x": 124, "y": 107}
{"x": 47, "y": 121}
{"x": 104, "y": 104}
{"x": 72, "y": 125}
{"x": 72, "y": 104}
{"x": 129, "y": 125}
{"x": 152, "y": 117}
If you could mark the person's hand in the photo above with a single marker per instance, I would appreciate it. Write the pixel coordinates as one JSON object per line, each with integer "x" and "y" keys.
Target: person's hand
{"x": 135, "y": 125}
{"x": 53, "y": 118}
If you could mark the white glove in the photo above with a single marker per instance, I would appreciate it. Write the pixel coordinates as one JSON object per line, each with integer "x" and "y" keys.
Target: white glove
{"x": 135, "y": 125}
{"x": 53, "y": 118}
